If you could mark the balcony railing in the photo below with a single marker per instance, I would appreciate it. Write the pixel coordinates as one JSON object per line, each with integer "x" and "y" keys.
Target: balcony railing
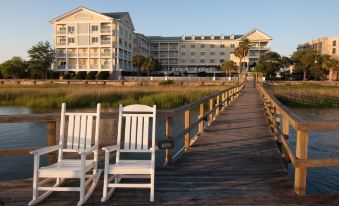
{"x": 106, "y": 30}
{"x": 61, "y": 55}
{"x": 105, "y": 66}
{"x": 83, "y": 54}
{"x": 61, "y": 43}
{"x": 83, "y": 66}
{"x": 94, "y": 54}
{"x": 94, "y": 66}
{"x": 72, "y": 54}
{"x": 61, "y": 32}
{"x": 106, "y": 54}
{"x": 61, "y": 67}
{"x": 106, "y": 42}
{"x": 72, "y": 66}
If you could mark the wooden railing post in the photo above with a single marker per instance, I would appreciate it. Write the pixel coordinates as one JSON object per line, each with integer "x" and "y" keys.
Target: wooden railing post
{"x": 210, "y": 119}
{"x": 187, "y": 125}
{"x": 285, "y": 133}
{"x": 217, "y": 104}
{"x": 201, "y": 115}
{"x": 51, "y": 130}
{"x": 300, "y": 174}
{"x": 223, "y": 101}
{"x": 227, "y": 96}
{"x": 169, "y": 135}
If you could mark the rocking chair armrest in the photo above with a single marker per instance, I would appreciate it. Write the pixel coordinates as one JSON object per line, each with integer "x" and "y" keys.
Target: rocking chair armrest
{"x": 88, "y": 150}
{"x": 110, "y": 148}
{"x": 46, "y": 150}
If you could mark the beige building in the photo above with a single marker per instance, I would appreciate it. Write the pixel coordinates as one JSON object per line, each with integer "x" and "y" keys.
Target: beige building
{"x": 194, "y": 54}
{"x": 86, "y": 40}
{"x": 324, "y": 45}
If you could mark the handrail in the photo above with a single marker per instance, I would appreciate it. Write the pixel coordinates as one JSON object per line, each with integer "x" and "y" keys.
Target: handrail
{"x": 277, "y": 113}
{"x": 227, "y": 95}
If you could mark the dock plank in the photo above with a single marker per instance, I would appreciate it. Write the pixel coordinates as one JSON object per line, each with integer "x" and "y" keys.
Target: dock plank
{"x": 234, "y": 162}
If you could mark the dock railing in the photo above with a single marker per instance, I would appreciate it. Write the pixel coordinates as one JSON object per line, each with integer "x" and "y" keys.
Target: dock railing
{"x": 216, "y": 102}
{"x": 281, "y": 119}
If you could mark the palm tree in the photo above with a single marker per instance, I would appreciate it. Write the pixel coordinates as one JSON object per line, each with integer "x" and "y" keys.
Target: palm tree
{"x": 229, "y": 66}
{"x": 138, "y": 61}
{"x": 149, "y": 64}
{"x": 330, "y": 65}
{"x": 241, "y": 51}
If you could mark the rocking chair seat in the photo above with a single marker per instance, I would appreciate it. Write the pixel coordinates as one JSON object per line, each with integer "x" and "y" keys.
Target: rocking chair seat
{"x": 131, "y": 167}
{"x": 70, "y": 168}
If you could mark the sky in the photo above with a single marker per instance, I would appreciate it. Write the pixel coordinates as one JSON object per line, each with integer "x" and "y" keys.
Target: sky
{"x": 288, "y": 22}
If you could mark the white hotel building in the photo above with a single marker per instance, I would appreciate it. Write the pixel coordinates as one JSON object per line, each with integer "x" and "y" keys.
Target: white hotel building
{"x": 86, "y": 40}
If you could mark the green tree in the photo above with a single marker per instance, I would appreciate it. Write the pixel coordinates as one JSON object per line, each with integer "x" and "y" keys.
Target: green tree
{"x": 229, "y": 66}
{"x": 41, "y": 57}
{"x": 242, "y": 51}
{"x": 286, "y": 61}
{"x": 138, "y": 61}
{"x": 81, "y": 75}
{"x": 103, "y": 75}
{"x": 150, "y": 64}
{"x": 14, "y": 68}
{"x": 269, "y": 64}
{"x": 304, "y": 59}
{"x": 329, "y": 65}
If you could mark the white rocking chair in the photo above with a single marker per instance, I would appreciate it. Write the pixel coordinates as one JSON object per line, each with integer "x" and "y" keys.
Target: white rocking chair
{"x": 136, "y": 140}
{"x": 79, "y": 140}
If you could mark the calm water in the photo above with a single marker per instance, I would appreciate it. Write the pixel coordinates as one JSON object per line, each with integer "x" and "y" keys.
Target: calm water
{"x": 322, "y": 144}
{"x": 16, "y": 135}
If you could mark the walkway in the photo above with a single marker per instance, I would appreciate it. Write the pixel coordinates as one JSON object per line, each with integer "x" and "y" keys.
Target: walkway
{"x": 234, "y": 162}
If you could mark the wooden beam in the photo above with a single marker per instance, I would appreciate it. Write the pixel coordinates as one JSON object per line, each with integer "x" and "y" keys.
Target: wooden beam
{"x": 318, "y": 163}
{"x": 201, "y": 115}
{"x": 51, "y": 128}
{"x": 187, "y": 125}
{"x": 169, "y": 135}
{"x": 300, "y": 174}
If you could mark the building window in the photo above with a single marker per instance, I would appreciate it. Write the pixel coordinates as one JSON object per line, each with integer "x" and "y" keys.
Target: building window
{"x": 192, "y": 46}
{"x": 95, "y": 40}
{"x": 222, "y": 46}
{"x": 222, "y": 53}
{"x": 202, "y": 46}
{"x": 192, "y": 60}
{"x": 212, "y": 46}
{"x": 183, "y": 46}
{"x": 232, "y": 46}
{"x": 192, "y": 53}
{"x": 202, "y": 53}
{"x": 71, "y": 29}
{"x": 222, "y": 61}
{"x": 212, "y": 53}
{"x": 334, "y": 51}
{"x": 120, "y": 41}
{"x": 183, "y": 53}
{"x": 182, "y": 60}
{"x": 212, "y": 61}
{"x": 202, "y": 60}
{"x": 95, "y": 28}
{"x": 71, "y": 40}
{"x": 334, "y": 43}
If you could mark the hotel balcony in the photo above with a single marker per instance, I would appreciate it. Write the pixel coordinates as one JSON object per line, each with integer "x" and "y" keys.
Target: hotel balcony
{"x": 105, "y": 29}
{"x": 72, "y": 66}
{"x": 72, "y": 54}
{"x": 105, "y": 66}
{"x": 82, "y": 66}
{"x": 106, "y": 42}
{"x": 94, "y": 66}
{"x": 61, "y": 66}
{"x": 260, "y": 48}
{"x": 62, "y": 55}
{"x": 94, "y": 54}
{"x": 83, "y": 54}
{"x": 61, "y": 32}
{"x": 106, "y": 54}
{"x": 61, "y": 43}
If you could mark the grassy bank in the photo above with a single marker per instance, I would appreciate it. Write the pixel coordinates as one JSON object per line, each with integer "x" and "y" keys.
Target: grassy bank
{"x": 82, "y": 96}
{"x": 307, "y": 95}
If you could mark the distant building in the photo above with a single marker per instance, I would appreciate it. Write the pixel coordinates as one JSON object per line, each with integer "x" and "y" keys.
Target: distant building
{"x": 86, "y": 40}
{"x": 324, "y": 45}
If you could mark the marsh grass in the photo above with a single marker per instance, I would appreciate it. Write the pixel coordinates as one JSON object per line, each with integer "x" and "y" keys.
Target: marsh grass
{"x": 307, "y": 95}
{"x": 51, "y": 96}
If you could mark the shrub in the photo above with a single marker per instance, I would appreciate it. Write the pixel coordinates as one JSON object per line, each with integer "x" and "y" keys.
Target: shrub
{"x": 166, "y": 82}
{"x": 81, "y": 75}
{"x": 91, "y": 75}
{"x": 66, "y": 75}
{"x": 103, "y": 75}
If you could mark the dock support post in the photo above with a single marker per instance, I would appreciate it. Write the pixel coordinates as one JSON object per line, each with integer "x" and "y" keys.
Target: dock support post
{"x": 187, "y": 125}
{"x": 300, "y": 174}
{"x": 51, "y": 128}
{"x": 201, "y": 115}
{"x": 169, "y": 135}
{"x": 285, "y": 133}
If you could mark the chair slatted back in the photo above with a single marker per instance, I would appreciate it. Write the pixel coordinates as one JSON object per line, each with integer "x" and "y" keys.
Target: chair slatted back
{"x": 137, "y": 119}
{"x": 80, "y": 129}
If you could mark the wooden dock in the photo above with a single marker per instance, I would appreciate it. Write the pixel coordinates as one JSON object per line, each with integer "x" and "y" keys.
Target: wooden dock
{"x": 234, "y": 162}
